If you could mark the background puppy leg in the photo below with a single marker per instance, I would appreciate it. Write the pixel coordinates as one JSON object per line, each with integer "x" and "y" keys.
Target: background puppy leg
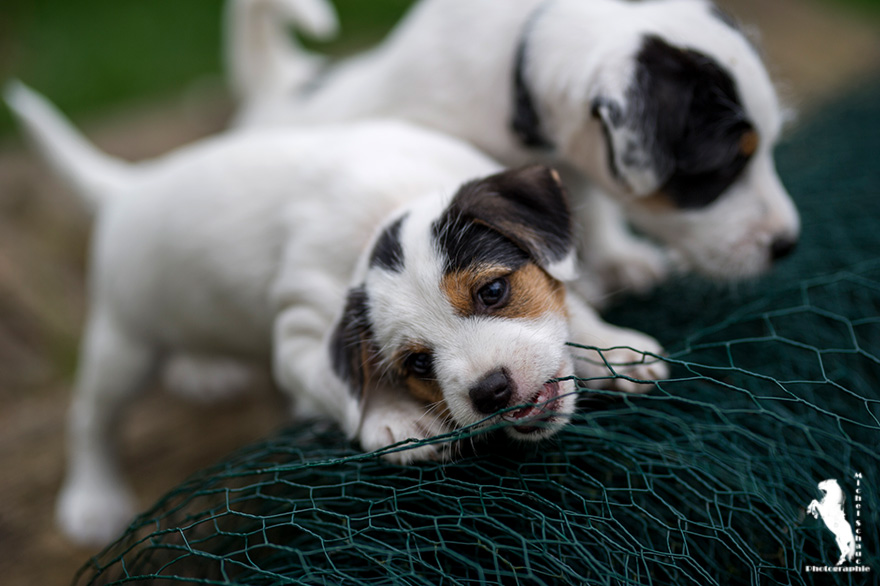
{"x": 206, "y": 378}
{"x": 626, "y": 350}
{"x": 95, "y": 504}
{"x": 615, "y": 260}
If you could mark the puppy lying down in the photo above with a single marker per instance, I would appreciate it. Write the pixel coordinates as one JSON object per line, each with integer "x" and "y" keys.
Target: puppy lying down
{"x": 396, "y": 280}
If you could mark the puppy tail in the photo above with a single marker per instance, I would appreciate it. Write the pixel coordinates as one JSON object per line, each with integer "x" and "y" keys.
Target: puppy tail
{"x": 91, "y": 173}
{"x": 262, "y": 55}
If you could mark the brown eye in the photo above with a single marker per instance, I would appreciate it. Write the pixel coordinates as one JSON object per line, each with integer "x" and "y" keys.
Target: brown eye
{"x": 420, "y": 364}
{"x": 494, "y": 294}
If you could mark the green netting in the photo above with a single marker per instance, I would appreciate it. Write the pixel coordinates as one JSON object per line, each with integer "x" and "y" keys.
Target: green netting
{"x": 774, "y": 388}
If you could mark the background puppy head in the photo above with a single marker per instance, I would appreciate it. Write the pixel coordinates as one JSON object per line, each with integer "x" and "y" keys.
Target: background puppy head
{"x": 671, "y": 111}
{"x": 462, "y": 305}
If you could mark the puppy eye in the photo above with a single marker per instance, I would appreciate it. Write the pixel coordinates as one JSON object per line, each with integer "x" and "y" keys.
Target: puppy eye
{"x": 494, "y": 294}
{"x": 420, "y": 364}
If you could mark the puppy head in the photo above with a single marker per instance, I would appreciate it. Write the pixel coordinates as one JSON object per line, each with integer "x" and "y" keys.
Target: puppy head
{"x": 832, "y": 491}
{"x": 672, "y": 113}
{"x": 462, "y": 305}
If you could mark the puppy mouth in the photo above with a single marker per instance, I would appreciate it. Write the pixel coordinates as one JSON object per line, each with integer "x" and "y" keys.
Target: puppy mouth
{"x": 544, "y": 409}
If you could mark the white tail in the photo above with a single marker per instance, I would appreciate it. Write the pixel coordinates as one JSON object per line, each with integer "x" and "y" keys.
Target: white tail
{"x": 260, "y": 52}
{"x": 92, "y": 174}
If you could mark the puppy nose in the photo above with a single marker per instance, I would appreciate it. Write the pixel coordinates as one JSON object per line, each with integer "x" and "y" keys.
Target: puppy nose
{"x": 492, "y": 393}
{"x": 782, "y": 247}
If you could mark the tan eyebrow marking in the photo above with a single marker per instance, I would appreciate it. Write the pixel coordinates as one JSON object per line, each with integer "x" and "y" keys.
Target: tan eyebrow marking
{"x": 533, "y": 292}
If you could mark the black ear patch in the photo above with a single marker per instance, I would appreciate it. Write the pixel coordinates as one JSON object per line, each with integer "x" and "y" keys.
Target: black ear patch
{"x": 685, "y": 121}
{"x": 506, "y": 219}
{"x": 699, "y": 121}
{"x": 388, "y": 251}
{"x": 352, "y": 350}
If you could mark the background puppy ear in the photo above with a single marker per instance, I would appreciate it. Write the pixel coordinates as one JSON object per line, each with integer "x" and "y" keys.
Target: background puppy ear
{"x": 680, "y": 126}
{"x": 529, "y": 207}
{"x": 352, "y": 350}
{"x": 634, "y": 159}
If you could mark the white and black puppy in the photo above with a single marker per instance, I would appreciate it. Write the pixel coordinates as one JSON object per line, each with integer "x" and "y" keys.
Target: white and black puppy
{"x": 383, "y": 285}
{"x": 663, "y": 105}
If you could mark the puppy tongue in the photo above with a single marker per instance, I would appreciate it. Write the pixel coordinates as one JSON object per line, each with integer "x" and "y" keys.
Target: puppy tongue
{"x": 543, "y": 403}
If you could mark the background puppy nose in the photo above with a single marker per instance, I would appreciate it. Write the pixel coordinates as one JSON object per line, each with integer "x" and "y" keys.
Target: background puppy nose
{"x": 491, "y": 393}
{"x": 782, "y": 247}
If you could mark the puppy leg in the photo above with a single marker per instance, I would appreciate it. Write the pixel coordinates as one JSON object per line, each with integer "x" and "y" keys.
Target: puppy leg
{"x": 613, "y": 256}
{"x": 206, "y": 378}
{"x": 94, "y": 503}
{"x": 301, "y": 367}
{"x": 628, "y": 352}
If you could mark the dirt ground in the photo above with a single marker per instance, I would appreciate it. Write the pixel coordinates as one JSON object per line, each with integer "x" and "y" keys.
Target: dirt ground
{"x": 43, "y": 237}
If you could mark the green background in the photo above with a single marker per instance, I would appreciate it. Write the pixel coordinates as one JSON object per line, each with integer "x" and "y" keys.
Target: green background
{"x": 88, "y": 54}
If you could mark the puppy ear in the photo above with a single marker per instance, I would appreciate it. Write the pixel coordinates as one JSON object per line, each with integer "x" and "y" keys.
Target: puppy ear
{"x": 680, "y": 127}
{"x": 352, "y": 350}
{"x": 529, "y": 207}
{"x": 630, "y": 159}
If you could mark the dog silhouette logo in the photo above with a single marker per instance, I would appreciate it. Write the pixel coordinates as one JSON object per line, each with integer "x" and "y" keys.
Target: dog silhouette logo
{"x": 830, "y": 510}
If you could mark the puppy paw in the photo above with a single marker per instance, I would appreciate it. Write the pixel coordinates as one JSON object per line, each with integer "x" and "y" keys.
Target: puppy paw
{"x": 635, "y": 365}
{"x": 633, "y": 266}
{"x": 93, "y": 514}
{"x": 206, "y": 378}
{"x": 388, "y": 426}
{"x": 632, "y": 356}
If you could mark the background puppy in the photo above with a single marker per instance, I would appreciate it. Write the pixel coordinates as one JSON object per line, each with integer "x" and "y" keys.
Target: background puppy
{"x": 265, "y": 246}
{"x": 664, "y": 105}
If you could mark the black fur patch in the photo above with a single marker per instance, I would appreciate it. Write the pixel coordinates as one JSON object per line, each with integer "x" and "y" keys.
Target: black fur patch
{"x": 506, "y": 219}
{"x": 351, "y": 345}
{"x": 525, "y": 122}
{"x": 689, "y": 109}
{"x": 466, "y": 243}
{"x": 388, "y": 252}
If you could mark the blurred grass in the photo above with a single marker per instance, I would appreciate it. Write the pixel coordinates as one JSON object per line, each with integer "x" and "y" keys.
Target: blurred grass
{"x": 88, "y": 54}
{"x": 866, "y": 7}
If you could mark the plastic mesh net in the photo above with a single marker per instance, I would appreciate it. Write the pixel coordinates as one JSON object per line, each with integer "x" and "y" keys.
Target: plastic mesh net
{"x": 774, "y": 388}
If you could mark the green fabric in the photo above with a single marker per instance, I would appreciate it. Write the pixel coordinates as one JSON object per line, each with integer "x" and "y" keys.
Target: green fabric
{"x": 774, "y": 388}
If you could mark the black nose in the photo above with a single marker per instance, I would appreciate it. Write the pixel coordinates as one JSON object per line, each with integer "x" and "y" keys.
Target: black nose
{"x": 492, "y": 393}
{"x": 782, "y": 247}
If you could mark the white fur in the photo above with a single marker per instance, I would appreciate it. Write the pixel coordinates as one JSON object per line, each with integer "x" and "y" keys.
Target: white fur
{"x": 830, "y": 509}
{"x": 448, "y": 65}
{"x": 246, "y": 246}
{"x": 259, "y": 52}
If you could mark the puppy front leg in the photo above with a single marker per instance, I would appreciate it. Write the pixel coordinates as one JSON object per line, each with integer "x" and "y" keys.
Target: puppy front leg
{"x": 616, "y": 261}
{"x": 95, "y": 504}
{"x": 391, "y": 416}
{"x": 301, "y": 367}
{"x": 628, "y": 352}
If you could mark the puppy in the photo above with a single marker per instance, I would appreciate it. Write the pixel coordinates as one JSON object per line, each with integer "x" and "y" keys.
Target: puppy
{"x": 384, "y": 286}
{"x": 664, "y": 106}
